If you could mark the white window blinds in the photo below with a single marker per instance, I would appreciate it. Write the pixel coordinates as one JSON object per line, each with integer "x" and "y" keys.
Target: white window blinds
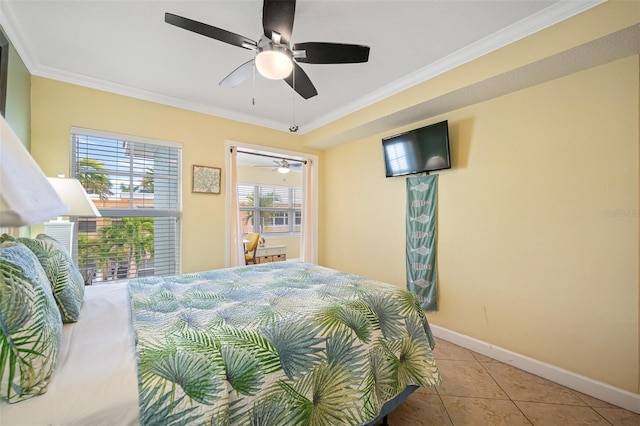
{"x": 135, "y": 184}
{"x": 278, "y": 209}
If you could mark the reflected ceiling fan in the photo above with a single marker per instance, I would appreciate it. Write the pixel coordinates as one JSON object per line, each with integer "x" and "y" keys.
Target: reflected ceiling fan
{"x": 275, "y": 57}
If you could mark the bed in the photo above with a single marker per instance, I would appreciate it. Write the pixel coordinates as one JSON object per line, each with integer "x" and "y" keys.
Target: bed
{"x": 279, "y": 343}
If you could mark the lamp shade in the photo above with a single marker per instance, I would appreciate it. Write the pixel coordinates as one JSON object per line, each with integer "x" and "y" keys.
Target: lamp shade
{"x": 26, "y": 196}
{"x": 74, "y": 196}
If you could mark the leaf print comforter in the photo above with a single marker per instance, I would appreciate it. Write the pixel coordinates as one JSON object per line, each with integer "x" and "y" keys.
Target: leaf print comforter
{"x": 285, "y": 343}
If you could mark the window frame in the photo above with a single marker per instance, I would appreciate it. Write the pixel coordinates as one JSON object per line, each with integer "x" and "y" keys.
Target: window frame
{"x": 119, "y": 212}
{"x": 293, "y": 220}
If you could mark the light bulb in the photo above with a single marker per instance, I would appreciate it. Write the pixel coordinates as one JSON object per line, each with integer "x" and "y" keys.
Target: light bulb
{"x": 274, "y": 63}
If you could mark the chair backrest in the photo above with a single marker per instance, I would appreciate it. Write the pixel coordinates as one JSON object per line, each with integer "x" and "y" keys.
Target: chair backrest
{"x": 252, "y": 238}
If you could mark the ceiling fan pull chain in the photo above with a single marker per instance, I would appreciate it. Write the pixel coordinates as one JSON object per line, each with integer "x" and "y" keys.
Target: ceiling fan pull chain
{"x": 274, "y": 52}
{"x": 253, "y": 94}
{"x": 293, "y": 99}
{"x": 293, "y": 128}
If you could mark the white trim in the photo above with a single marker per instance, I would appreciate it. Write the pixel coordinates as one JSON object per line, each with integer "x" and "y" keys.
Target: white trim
{"x": 123, "y": 137}
{"x": 558, "y": 12}
{"x": 616, "y": 396}
{"x": 228, "y": 144}
{"x": 552, "y": 15}
{"x": 140, "y": 212}
{"x": 11, "y": 25}
{"x": 146, "y": 95}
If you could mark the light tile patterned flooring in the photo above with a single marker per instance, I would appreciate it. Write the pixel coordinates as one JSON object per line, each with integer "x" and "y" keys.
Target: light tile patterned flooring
{"x": 481, "y": 391}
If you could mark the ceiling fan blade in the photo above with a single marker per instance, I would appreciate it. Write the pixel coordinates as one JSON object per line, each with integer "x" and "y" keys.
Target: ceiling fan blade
{"x": 277, "y": 15}
{"x": 210, "y": 31}
{"x": 330, "y": 53}
{"x": 239, "y": 75}
{"x": 303, "y": 85}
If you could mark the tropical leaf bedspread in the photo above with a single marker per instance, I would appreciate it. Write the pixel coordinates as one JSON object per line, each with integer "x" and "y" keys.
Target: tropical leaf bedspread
{"x": 286, "y": 343}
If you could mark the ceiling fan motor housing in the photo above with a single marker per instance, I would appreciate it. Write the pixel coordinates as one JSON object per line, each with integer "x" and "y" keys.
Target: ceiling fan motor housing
{"x": 273, "y": 60}
{"x": 275, "y": 56}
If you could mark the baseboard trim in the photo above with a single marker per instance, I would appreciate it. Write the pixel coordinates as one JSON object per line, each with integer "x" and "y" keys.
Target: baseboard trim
{"x": 612, "y": 395}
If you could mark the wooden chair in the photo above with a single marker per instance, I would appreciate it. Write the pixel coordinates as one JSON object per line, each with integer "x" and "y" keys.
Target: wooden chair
{"x": 250, "y": 248}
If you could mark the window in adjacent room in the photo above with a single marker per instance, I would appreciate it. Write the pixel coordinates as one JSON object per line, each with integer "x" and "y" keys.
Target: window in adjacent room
{"x": 270, "y": 208}
{"x": 263, "y": 197}
{"x": 135, "y": 184}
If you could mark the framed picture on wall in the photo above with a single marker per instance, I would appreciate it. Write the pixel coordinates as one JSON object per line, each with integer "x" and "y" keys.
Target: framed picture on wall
{"x": 206, "y": 179}
{"x": 4, "y": 69}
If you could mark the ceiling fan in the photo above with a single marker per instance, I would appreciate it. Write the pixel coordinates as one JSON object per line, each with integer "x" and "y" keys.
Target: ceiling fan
{"x": 282, "y": 166}
{"x": 276, "y": 58}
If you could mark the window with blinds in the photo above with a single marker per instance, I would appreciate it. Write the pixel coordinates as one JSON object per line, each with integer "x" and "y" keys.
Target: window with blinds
{"x": 135, "y": 184}
{"x": 270, "y": 209}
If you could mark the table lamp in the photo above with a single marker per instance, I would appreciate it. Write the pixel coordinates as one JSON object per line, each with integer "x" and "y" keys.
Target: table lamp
{"x": 26, "y": 196}
{"x": 74, "y": 196}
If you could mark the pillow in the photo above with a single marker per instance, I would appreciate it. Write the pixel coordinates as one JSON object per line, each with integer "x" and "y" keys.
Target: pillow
{"x": 30, "y": 325}
{"x": 66, "y": 281}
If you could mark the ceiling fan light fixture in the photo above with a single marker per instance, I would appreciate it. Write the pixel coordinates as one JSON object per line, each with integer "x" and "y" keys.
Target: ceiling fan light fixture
{"x": 274, "y": 62}
{"x": 283, "y": 167}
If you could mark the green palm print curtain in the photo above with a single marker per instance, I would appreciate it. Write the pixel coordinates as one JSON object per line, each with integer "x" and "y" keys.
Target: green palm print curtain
{"x": 422, "y": 274}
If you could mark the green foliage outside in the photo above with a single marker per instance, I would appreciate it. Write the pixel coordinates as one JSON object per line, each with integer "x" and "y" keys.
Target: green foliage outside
{"x": 93, "y": 178}
{"x": 119, "y": 245}
{"x": 145, "y": 187}
{"x": 267, "y": 200}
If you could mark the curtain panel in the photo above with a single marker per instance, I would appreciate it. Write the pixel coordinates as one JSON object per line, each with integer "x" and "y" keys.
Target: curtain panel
{"x": 422, "y": 274}
{"x": 236, "y": 246}
{"x": 307, "y": 237}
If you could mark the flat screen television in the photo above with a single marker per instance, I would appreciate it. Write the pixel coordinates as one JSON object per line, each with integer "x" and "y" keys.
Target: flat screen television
{"x": 420, "y": 150}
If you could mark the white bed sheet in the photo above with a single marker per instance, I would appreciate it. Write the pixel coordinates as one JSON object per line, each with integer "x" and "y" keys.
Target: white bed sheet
{"x": 95, "y": 381}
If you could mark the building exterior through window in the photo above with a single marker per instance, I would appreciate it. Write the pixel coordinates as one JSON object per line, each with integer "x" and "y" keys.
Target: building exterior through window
{"x": 135, "y": 184}
{"x": 270, "y": 209}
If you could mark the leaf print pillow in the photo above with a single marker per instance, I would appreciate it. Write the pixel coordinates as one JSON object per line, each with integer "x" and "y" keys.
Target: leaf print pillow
{"x": 65, "y": 279}
{"x": 30, "y": 325}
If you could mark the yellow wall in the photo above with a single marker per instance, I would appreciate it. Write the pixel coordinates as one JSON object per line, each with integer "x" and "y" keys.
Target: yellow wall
{"x": 538, "y": 231}
{"x": 538, "y": 222}
{"x": 595, "y": 23}
{"x": 56, "y": 106}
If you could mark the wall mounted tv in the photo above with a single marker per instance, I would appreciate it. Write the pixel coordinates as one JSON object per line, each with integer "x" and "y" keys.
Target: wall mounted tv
{"x": 420, "y": 150}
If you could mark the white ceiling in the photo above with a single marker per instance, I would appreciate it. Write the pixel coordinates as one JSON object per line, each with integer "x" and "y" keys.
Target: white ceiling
{"x": 126, "y": 47}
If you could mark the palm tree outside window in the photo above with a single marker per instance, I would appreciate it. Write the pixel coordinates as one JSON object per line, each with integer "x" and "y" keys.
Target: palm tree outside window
{"x": 278, "y": 210}
{"x": 134, "y": 182}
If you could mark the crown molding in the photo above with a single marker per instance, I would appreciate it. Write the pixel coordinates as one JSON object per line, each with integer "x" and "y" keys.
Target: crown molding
{"x": 120, "y": 89}
{"x": 11, "y": 27}
{"x": 552, "y": 15}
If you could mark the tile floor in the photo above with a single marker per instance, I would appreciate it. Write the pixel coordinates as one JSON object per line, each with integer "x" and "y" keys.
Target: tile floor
{"x": 480, "y": 391}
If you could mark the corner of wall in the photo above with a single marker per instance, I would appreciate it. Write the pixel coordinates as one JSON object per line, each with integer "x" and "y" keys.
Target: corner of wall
{"x": 18, "y": 106}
